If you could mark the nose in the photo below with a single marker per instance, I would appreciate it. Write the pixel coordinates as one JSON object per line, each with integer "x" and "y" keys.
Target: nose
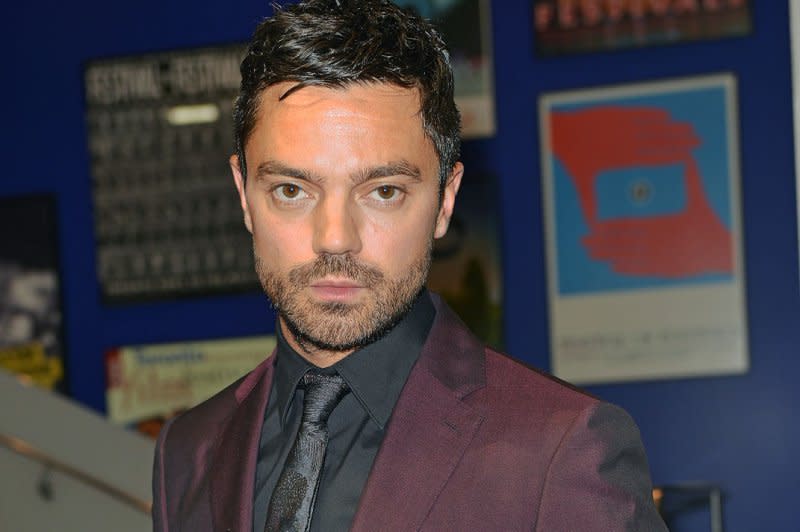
{"x": 336, "y": 227}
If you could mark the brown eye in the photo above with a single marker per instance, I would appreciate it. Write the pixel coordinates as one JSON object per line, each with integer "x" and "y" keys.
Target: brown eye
{"x": 290, "y": 191}
{"x": 386, "y": 192}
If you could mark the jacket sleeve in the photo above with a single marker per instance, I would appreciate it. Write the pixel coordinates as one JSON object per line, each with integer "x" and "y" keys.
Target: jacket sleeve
{"x": 598, "y": 479}
{"x": 159, "y": 510}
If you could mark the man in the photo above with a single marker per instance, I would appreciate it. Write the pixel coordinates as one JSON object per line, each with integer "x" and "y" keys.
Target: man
{"x": 378, "y": 410}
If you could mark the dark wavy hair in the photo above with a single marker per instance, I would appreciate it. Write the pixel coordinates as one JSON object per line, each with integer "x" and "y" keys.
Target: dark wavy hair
{"x": 339, "y": 42}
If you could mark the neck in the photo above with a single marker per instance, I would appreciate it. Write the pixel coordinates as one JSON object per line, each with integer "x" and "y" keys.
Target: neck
{"x": 322, "y": 358}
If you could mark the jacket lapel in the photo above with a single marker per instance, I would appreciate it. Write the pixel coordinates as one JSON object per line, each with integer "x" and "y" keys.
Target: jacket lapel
{"x": 233, "y": 468}
{"x": 430, "y": 429}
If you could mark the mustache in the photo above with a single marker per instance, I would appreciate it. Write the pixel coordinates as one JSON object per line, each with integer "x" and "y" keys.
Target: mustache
{"x": 335, "y": 265}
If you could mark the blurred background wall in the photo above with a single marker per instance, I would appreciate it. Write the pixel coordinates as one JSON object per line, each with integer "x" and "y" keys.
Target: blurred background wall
{"x": 739, "y": 432}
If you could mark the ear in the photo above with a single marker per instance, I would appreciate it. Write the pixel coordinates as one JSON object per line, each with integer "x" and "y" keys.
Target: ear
{"x": 240, "y": 187}
{"x": 448, "y": 200}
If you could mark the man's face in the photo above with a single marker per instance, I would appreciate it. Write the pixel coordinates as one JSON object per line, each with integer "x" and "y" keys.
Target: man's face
{"x": 342, "y": 199}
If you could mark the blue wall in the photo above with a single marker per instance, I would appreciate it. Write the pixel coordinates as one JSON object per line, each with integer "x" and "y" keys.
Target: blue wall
{"x": 739, "y": 431}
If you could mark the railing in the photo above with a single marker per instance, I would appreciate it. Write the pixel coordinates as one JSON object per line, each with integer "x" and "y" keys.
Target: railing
{"x": 673, "y": 500}
{"x": 707, "y": 492}
{"x": 23, "y": 448}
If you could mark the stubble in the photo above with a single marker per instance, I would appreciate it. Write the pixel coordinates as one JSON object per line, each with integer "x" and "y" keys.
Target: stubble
{"x": 334, "y": 326}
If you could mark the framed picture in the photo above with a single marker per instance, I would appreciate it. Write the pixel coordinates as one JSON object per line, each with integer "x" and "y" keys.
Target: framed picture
{"x": 643, "y": 230}
{"x": 576, "y": 26}
{"x": 466, "y": 26}
{"x": 31, "y": 323}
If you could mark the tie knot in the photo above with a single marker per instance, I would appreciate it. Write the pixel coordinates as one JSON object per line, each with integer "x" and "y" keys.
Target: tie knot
{"x": 322, "y": 394}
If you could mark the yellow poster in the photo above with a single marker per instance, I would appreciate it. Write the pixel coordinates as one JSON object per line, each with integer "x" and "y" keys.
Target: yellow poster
{"x": 150, "y": 383}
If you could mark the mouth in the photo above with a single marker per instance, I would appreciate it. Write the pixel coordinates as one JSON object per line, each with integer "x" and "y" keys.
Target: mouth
{"x": 336, "y": 290}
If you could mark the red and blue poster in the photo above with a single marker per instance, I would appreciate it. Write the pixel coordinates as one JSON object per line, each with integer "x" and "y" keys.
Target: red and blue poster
{"x": 643, "y": 230}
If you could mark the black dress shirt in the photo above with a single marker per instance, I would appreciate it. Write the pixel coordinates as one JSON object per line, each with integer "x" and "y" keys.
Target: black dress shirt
{"x": 376, "y": 374}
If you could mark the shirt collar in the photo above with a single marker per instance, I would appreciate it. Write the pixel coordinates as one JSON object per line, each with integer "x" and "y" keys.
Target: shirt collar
{"x": 376, "y": 373}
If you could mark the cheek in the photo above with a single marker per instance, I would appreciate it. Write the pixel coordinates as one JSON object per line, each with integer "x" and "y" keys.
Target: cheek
{"x": 281, "y": 245}
{"x": 397, "y": 243}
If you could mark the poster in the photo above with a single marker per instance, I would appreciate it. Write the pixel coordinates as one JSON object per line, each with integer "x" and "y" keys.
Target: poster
{"x": 148, "y": 384}
{"x": 466, "y": 27}
{"x": 466, "y": 269}
{"x": 577, "y": 26}
{"x": 643, "y": 230}
{"x": 167, "y": 219}
{"x": 31, "y": 324}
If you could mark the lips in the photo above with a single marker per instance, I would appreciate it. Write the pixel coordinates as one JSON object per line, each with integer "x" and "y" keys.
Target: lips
{"x": 336, "y": 283}
{"x": 339, "y": 290}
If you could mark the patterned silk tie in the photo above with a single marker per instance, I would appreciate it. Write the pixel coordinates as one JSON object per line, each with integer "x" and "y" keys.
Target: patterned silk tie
{"x": 292, "y": 502}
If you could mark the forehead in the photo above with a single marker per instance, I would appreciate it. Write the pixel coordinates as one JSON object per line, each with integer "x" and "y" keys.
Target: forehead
{"x": 358, "y": 121}
{"x": 369, "y": 105}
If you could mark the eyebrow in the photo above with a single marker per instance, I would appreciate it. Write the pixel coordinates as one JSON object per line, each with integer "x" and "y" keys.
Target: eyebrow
{"x": 393, "y": 168}
{"x": 277, "y": 168}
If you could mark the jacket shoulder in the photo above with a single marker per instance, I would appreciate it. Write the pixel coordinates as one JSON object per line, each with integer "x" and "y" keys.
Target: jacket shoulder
{"x": 199, "y": 422}
{"x": 184, "y": 446}
{"x": 521, "y": 382}
{"x": 204, "y": 421}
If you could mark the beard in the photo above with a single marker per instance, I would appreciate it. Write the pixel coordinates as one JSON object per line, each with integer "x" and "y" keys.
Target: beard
{"x": 337, "y": 326}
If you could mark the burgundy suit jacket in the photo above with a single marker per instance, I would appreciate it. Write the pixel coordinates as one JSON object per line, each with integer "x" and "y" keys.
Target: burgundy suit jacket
{"x": 477, "y": 441}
